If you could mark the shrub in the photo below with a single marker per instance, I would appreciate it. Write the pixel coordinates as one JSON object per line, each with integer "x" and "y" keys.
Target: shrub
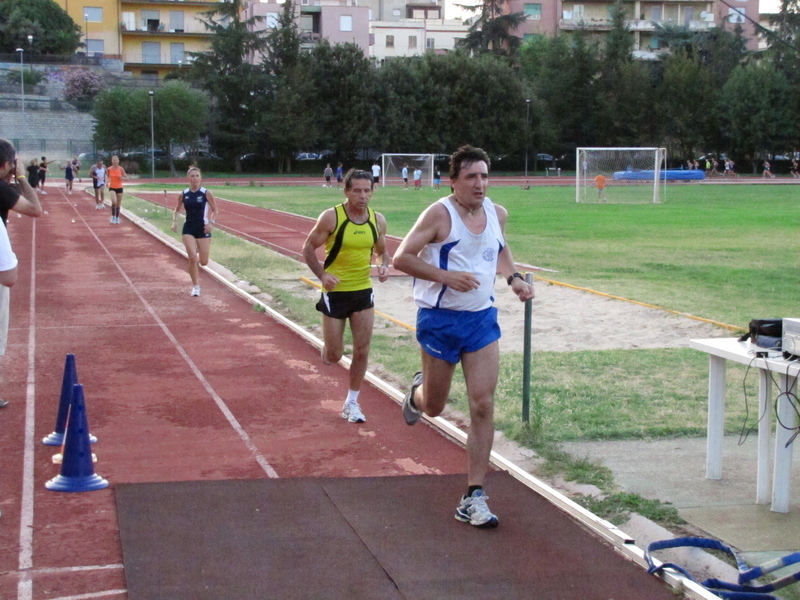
{"x": 82, "y": 84}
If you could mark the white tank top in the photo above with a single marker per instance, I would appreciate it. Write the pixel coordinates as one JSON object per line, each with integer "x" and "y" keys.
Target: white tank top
{"x": 463, "y": 250}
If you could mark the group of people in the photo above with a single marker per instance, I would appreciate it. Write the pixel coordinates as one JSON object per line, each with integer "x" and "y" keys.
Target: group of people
{"x": 437, "y": 176}
{"x": 454, "y": 252}
{"x": 17, "y": 193}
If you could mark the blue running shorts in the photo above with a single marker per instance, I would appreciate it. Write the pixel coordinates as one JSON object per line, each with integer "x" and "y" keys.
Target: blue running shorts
{"x": 446, "y": 334}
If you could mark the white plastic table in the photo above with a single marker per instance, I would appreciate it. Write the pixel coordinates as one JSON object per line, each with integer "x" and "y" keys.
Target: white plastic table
{"x": 720, "y": 351}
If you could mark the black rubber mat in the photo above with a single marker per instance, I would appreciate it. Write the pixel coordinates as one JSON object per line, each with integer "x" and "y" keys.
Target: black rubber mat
{"x": 361, "y": 538}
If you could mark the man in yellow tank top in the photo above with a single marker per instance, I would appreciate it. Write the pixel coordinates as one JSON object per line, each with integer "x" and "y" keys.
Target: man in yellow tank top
{"x": 351, "y": 232}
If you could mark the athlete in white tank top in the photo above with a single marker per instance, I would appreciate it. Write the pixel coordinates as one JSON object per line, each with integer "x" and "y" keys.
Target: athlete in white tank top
{"x": 463, "y": 250}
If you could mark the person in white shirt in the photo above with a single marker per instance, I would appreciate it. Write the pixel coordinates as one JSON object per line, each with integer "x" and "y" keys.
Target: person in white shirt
{"x": 454, "y": 252}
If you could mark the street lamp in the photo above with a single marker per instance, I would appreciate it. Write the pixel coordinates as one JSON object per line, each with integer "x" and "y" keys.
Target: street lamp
{"x": 151, "y": 93}
{"x": 527, "y": 132}
{"x": 22, "y": 78}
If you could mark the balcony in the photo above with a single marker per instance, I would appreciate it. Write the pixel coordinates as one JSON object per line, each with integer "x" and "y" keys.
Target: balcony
{"x": 158, "y": 28}
{"x": 203, "y": 3}
{"x": 641, "y": 25}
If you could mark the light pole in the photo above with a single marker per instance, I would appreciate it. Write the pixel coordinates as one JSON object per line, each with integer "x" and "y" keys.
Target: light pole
{"x": 22, "y": 78}
{"x": 86, "y": 31}
{"x": 151, "y": 93}
{"x": 527, "y": 132}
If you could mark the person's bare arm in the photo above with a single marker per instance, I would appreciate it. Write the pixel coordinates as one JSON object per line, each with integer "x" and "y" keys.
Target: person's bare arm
{"x": 322, "y": 230}
{"x": 8, "y": 278}
{"x": 381, "y": 250}
{"x": 28, "y": 203}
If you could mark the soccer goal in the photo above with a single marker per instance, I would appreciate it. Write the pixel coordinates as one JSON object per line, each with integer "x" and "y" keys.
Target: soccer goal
{"x": 621, "y": 175}
{"x": 392, "y": 169}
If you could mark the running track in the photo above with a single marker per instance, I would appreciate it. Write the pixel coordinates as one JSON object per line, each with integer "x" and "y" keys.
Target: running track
{"x": 177, "y": 388}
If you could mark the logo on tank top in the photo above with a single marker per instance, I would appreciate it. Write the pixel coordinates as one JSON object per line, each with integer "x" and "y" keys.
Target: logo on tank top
{"x": 489, "y": 254}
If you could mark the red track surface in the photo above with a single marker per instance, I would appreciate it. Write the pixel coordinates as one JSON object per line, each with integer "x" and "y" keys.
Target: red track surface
{"x": 177, "y": 388}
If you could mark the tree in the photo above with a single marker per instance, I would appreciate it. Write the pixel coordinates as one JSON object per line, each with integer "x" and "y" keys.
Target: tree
{"x": 288, "y": 117}
{"x": 758, "y": 107}
{"x": 180, "y": 117}
{"x": 123, "y": 119}
{"x": 236, "y": 87}
{"x": 82, "y": 85}
{"x": 53, "y": 30}
{"x": 784, "y": 40}
{"x": 343, "y": 102}
{"x": 492, "y": 31}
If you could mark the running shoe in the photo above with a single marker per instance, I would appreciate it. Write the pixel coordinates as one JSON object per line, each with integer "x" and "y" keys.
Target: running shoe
{"x": 3, "y": 403}
{"x": 410, "y": 412}
{"x": 352, "y": 412}
{"x": 113, "y": 220}
{"x": 196, "y": 290}
{"x": 473, "y": 510}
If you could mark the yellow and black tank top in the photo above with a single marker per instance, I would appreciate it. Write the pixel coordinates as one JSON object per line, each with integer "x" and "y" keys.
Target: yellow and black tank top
{"x": 348, "y": 251}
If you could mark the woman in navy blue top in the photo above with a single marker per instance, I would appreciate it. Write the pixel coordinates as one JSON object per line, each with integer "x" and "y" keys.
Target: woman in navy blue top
{"x": 201, "y": 212}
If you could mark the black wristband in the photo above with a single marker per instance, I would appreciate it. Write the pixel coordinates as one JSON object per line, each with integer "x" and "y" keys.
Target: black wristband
{"x": 511, "y": 278}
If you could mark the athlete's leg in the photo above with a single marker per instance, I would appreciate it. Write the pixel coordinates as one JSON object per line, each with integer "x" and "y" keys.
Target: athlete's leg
{"x": 333, "y": 337}
{"x": 437, "y": 375}
{"x": 203, "y": 250}
{"x": 190, "y": 243}
{"x": 480, "y": 373}
{"x": 361, "y": 327}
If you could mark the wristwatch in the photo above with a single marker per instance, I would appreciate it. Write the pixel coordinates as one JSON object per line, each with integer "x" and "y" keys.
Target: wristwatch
{"x": 511, "y": 278}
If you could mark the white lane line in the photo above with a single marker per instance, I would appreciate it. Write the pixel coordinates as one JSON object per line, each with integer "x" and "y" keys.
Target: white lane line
{"x": 25, "y": 585}
{"x": 237, "y": 427}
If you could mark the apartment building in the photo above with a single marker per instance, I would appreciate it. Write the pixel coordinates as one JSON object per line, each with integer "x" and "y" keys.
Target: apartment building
{"x": 643, "y": 18}
{"x": 150, "y": 37}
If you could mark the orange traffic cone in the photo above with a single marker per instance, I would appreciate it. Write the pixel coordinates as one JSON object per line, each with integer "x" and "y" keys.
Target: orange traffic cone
{"x": 77, "y": 469}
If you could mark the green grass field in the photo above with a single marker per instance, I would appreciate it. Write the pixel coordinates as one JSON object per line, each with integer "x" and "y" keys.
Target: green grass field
{"x": 727, "y": 253}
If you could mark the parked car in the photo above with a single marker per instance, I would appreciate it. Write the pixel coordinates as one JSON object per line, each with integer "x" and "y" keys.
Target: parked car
{"x": 545, "y": 157}
{"x": 307, "y": 156}
{"x": 198, "y": 154}
{"x": 146, "y": 155}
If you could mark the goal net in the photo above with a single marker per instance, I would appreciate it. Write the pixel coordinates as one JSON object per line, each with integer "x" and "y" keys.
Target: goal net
{"x": 392, "y": 169}
{"x": 620, "y": 175}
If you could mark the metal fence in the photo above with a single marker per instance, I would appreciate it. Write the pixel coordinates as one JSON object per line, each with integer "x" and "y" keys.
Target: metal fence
{"x": 28, "y": 148}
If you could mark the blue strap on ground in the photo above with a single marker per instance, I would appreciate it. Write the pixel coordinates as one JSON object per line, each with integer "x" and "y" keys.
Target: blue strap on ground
{"x": 741, "y": 590}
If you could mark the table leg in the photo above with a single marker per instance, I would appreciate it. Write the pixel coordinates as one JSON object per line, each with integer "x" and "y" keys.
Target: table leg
{"x": 782, "y": 477}
{"x": 764, "y": 435}
{"x": 716, "y": 413}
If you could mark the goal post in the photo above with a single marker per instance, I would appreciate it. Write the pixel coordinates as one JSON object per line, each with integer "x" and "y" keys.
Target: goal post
{"x": 392, "y": 169}
{"x": 620, "y": 175}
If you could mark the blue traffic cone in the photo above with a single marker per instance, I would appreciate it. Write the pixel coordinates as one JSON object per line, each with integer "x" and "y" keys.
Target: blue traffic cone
{"x": 70, "y": 379}
{"x": 77, "y": 469}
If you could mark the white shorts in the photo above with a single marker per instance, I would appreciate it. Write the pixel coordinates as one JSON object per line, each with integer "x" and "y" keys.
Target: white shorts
{"x": 5, "y": 302}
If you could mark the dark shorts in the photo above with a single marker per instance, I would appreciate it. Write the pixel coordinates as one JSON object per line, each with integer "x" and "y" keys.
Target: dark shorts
{"x": 96, "y": 185}
{"x": 196, "y": 230}
{"x": 446, "y": 334}
{"x": 340, "y": 305}
{"x": 328, "y": 178}
{"x": 42, "y": 177}
{"x": 376, "y": 179}
{"x": 69, "y": 177}
{"x": 115, "y": 190}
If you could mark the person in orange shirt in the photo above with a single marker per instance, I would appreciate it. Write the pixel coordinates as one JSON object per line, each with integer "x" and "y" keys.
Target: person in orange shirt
{"x": 600, "y": 184}
{"x": 115, "y": 176}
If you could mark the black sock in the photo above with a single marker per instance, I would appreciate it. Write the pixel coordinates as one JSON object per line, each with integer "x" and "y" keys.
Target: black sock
{"x": 472, "y": 488}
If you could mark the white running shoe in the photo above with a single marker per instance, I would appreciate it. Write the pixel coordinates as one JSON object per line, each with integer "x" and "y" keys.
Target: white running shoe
{"x": 473, "y": 510}
{"x": 352, "y": 412}
{"x": 113, "y": 220}
{"x": 196, "y": 290}
{"x": 410, "y": 412}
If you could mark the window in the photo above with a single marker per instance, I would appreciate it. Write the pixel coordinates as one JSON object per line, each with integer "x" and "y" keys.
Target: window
{"x": 390, "y": 41}
{"x": 151, "y": 52}
{"x": 176, "y": 20}
{"x": 654, "y": 45}
{"x": 736, "y": 15}
{"x": 150, "y": 20}
{"x": 272, "y": 20}
{"x": 93, "y": 14}
{"x": 655, "y": 13}
{"x": 345, "y": 23}
{"x": 533, "y": 12}
{"x": 412, "y": 41}
{"x": 577, "y": 12}
{"x": 430, "y": 43}
{"x": 418, "y": 13}
{"x": 396, "y": 12}
{"x": 688, "y": 15}
{"x": 94, "y": 46}
{"x": 176, "y": 54}
{"x": 129, "y": 21}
